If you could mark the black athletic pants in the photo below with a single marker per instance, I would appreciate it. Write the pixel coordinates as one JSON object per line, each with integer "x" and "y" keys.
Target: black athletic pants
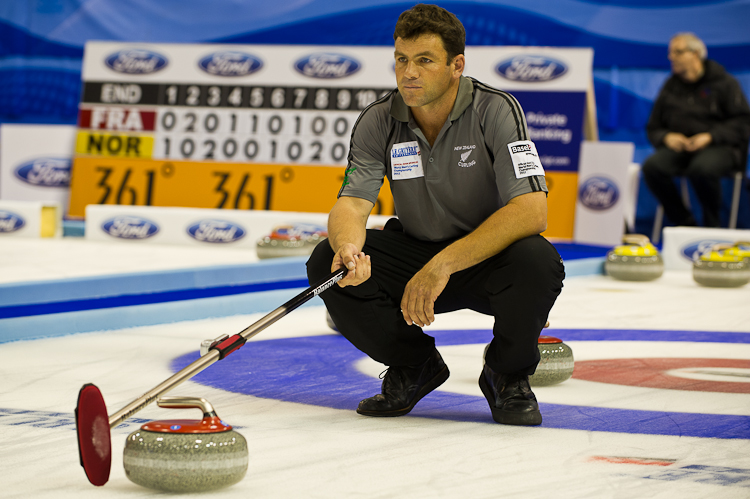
{"x": 704, "y": 168}
{"x": 518, "y": 287}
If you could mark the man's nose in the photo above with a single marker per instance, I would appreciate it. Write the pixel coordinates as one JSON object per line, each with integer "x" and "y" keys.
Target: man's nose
{"x": 411, "y": 71}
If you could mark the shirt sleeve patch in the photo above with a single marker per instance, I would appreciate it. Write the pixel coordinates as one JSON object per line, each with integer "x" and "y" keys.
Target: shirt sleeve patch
{"x": 525, "y": 159}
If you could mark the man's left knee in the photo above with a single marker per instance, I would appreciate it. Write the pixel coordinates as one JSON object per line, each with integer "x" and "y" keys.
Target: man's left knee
{"x": 530, "y": 262}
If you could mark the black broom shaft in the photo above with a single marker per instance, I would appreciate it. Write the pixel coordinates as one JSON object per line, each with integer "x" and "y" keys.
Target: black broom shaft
{"x": 294, "y": 303}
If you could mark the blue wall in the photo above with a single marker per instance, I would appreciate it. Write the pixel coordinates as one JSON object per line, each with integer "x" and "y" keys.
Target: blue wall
{"x": 41, "y": 43}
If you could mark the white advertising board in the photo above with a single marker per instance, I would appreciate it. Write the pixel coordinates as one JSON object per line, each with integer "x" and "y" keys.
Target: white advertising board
{"x": 682, "y": 244}
{"x": 603, "y": 185}
{"x": 507, "y": 67}
{"x": 30, "y": 219}
{"x": 35, "y": 162}
{"x": 196, "y": 226}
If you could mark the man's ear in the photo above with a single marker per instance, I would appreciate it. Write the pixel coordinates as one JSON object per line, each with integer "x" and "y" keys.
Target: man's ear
{"x": 458, "y": 63}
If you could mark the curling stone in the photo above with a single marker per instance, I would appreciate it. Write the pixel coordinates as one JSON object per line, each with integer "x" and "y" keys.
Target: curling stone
{"x": 635, "y": 260}
{"x": 290, "y": 240}
{"x": 186, "y": 455}
{"x": 555, "y": 364}
{"x": 723, "y": 266}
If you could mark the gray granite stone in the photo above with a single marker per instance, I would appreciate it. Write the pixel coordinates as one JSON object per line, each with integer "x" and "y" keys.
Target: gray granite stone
{"x": 555, "y": 366}
{"x": 193, "y": 462}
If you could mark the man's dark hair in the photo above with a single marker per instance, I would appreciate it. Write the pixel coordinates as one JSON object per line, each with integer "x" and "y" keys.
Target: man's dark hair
{"x": 430, "y": 19}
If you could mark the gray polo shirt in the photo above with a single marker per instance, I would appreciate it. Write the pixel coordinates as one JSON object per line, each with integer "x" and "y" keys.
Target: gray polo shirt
{"x": 447, "y": 190}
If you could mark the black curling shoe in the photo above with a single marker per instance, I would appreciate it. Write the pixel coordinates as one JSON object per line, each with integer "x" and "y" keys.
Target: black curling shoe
{"x": 510, "y": 397}
{"x": 404, "y": 386}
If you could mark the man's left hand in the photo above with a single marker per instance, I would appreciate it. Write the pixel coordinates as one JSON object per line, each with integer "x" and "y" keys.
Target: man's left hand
{"x": 418, "y": 302}
{"x": 698, "y": 142}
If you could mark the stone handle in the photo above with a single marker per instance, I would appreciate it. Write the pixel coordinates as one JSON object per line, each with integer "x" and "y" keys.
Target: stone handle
{"x": 188, "y": 403}
{"x": 635, "y": 239}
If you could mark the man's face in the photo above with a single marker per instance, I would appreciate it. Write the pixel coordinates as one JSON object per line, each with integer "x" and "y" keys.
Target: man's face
{"x": 423, "y": 74}
{"x": 682, "y": 58}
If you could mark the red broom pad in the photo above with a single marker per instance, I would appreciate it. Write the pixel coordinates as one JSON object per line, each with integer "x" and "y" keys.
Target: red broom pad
{"x": 92, "y": 426}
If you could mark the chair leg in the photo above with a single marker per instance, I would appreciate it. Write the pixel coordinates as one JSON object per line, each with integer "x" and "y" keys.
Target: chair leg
{"x": 685, "y": 192}
{"x": 658, "y": 220}
{"x": 736, "y": 191}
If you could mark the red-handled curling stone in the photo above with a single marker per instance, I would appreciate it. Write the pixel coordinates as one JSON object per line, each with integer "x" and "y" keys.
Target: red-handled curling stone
{"x": 186, "y": 455}
{"x": 290, "y": 240}
{"x": 556, "y": 364}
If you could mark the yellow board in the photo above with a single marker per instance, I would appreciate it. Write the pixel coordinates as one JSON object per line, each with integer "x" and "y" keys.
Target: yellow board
{"x": 49, "y": 221}
{"x": 280, "y": 187}
{"x": 242, "y": 186}
{"x": 114, "y": 145}
{"x": 561, "y": 204}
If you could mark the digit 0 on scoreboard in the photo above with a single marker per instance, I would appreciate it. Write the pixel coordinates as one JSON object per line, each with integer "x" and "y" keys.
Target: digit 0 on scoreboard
{"x": 282, "y": 187}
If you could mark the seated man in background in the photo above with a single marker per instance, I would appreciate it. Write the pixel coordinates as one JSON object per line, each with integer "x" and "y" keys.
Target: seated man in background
{"x": 700, "y": 126}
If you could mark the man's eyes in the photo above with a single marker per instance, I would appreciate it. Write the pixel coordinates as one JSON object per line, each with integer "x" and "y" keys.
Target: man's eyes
{"x": 422, "y": 60}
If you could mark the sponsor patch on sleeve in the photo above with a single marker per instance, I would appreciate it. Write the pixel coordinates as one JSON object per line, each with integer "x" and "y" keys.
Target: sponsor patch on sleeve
{"x": 525, "y": 159}
{"x": 406, "y": 161}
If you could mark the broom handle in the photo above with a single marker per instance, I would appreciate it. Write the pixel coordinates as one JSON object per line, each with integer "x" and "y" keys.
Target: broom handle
{"x": 224, "y": 348}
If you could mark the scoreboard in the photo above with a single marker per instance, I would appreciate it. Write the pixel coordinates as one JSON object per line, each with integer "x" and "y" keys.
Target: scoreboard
{"x": 268, "y": 126}
{"x": 256, "y": 128}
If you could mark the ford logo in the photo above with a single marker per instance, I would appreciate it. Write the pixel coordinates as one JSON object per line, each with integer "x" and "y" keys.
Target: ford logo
{"x": 216, "y": 231}
{"x": 598, "y": 193}
{"x": 125, "y": 227}
{"x": 45, "y": 172}
{"x": 327, "y": 65}
{"x": 531, "y": 68}
{"x": 10, "y": 222}
{"x": 136, "y": 61}
{"x": 230, "y": 64}
{"x": 693, "y": 250}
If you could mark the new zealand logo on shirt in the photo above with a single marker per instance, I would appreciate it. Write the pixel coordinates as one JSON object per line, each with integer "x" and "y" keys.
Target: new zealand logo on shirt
{"x": 465, "y": 162}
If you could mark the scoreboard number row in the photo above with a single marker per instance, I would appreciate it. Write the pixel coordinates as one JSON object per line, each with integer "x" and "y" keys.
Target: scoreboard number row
{"x": 233, "y": 149}
{"x": 243, "y": 186}
{"x": 229, "y": 96}
{"x": 221, "y": 121}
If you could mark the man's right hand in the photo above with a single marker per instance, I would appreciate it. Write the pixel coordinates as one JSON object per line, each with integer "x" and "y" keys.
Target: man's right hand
{"x": 676, "y": 141}
{"x": 356, "y": 262}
